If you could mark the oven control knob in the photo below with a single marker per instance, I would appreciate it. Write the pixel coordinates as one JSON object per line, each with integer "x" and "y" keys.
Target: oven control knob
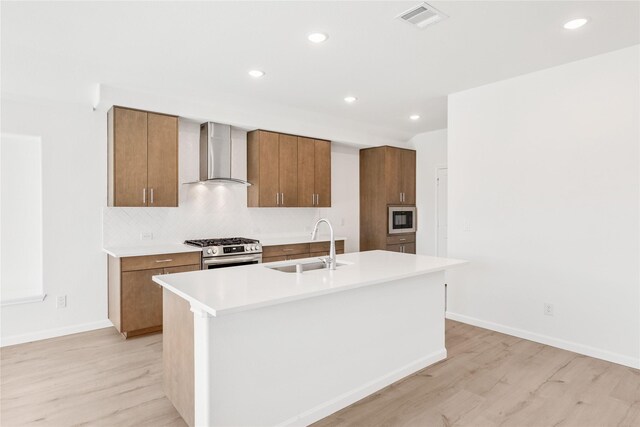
{"x": 215, "y": 251}
{"x": 209, "y": 251}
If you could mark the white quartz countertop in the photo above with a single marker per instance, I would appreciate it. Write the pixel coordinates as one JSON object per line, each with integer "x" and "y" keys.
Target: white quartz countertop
{"x": 292, "y": 240}
{"x": 229, "y": 290}
{"x": 173, "y": 248}
{"x": 151, "y": 249}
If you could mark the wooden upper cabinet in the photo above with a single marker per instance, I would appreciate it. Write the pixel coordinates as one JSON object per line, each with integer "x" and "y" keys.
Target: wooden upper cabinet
{"x": 400, "y": 176}
{"x": 408, "y": 176}
{"x": 128, "y": 157}
{"x": 269, "y": 148}
{"x": 143, "y": 158}
{"x": 322, "y": 173}
{"x": 306, "y": 172}
{"x": 314, "y": 172}
{"x": 392, "y": 173}
{"x": 287, "y": 170}
{"x": 162, "y": 160}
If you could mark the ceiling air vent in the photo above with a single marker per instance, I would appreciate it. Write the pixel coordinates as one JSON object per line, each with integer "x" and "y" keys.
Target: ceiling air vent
{"x": 422, "y": 15}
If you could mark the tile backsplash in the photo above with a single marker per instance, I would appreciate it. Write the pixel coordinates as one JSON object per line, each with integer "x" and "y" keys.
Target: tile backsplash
{"x": 206, "y": 211}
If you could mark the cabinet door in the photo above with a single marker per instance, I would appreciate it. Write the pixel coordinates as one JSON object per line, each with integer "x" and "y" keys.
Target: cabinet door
{"x": 394, "y": 248}
{"x": 408, "y": 176}
{"x": 392, "y": 168}
{"x": 129, "y": 157}
{"x": 288, "y": 170}
{"x": 306, "y": 172}
{"x": 162, "y": 152}
{"x": 409, "y": 248}
{"x": 141, "y": 300}
{"x": 269, "y": 167}
{"x": 322, "y": 173}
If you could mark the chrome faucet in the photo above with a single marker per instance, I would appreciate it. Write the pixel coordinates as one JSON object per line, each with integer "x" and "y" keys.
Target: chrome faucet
{"x": 331, "y": 263}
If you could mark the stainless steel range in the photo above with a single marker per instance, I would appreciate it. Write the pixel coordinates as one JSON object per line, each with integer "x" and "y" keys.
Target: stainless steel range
{"x": 219, "y": 253}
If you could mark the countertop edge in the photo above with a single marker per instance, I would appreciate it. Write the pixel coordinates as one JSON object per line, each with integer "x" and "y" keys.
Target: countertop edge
{"x": 217, "y": 313}
{"x": 132, "y": 251}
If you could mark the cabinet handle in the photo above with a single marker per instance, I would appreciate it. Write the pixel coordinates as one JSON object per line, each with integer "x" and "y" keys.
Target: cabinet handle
{"x": 402, "y": 240}
{"x": 287, "y": 250}
{"x": 282, "y": 198}
{"x": 317, "y": 199}
{"x": 277, "y": 199}
{"x": 144, "y": 196}
{"x": 313, "y": 200}
{"x": 402, "y": 248}
{"x": 151, "y": 198}
{"x": 164, "y": 260}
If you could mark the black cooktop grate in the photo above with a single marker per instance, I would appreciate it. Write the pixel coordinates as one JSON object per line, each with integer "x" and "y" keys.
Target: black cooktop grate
{"x": 221, "y": 242}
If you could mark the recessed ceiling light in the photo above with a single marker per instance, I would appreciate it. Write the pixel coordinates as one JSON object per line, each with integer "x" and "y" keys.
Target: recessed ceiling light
{"x": 256, "y": 73}
{"x": 414, "y": 117}
{"x": 317, "y": 37}
{"x": 350, "y": 99}
{"x": 575, "y": 23}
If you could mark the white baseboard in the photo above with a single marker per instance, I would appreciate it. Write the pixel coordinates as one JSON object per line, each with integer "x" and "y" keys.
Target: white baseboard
{"x": 327, "y": 408}
{"x": 52, "y": 333}
{"x": 545, "y": 339}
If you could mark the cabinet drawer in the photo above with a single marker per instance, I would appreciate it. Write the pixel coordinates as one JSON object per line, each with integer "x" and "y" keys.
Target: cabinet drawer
{"x": 324, "y": 246}
{"x": 405, "y": 248}
{"x": 160, "y": 261}
{"x": 401, "y": 238}
{"x": 285, "y": 250}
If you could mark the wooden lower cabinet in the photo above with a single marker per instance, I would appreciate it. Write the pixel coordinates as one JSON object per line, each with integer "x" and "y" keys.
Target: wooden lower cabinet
{"x": 135, "y": 300}
{"x": 299, "y": 250}
{"x": 141, "y": 300}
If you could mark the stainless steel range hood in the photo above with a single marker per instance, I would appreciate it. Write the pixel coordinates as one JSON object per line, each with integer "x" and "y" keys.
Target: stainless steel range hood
{"x": 215, "y": 154}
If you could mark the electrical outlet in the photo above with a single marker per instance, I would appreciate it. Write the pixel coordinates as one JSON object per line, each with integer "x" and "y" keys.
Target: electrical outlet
{"x": 548, "y": 309}
{"x": 146, "y": 235}
{"x": 61, "y": 301}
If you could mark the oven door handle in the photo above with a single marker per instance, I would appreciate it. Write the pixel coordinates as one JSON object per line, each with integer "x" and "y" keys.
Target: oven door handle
{"x": 228, "y": 260}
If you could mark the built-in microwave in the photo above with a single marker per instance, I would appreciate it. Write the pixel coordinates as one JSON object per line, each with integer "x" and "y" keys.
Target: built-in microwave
{"x": 402, "y": 219}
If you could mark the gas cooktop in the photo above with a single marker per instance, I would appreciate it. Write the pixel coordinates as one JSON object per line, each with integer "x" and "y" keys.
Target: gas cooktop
{"x": 230, "y": 241}
{"x": 227, "y": 246}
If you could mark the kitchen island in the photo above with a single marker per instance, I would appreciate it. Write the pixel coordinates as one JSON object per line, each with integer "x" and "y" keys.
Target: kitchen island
{"x": 255, "y": 345}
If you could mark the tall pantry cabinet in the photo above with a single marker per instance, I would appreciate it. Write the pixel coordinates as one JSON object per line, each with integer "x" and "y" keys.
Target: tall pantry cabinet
{"x": 387, "y": 178}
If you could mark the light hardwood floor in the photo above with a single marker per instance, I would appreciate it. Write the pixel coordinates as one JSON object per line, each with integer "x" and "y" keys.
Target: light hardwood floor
{"x": 489, "y": 379}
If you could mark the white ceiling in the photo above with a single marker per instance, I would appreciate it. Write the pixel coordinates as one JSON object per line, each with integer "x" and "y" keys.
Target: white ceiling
{"x": 203, "y": 50}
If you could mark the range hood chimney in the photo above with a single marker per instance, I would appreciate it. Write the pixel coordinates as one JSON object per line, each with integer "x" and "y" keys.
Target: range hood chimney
{"x": 215, "y": 154}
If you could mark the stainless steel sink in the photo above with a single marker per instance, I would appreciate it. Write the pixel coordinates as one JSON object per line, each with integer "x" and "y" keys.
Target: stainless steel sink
{"x": 308, "y": 266}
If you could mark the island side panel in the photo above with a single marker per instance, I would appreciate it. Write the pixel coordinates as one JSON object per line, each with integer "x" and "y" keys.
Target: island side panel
{"x": 177, "y": 354}
{"x": 298, "y": 362}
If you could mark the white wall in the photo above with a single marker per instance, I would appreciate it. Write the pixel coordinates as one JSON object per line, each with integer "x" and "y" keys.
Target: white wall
{"x": 73, "y": 191}
{"x": 544, "y": 202}
{"x": 431, "y": 153}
